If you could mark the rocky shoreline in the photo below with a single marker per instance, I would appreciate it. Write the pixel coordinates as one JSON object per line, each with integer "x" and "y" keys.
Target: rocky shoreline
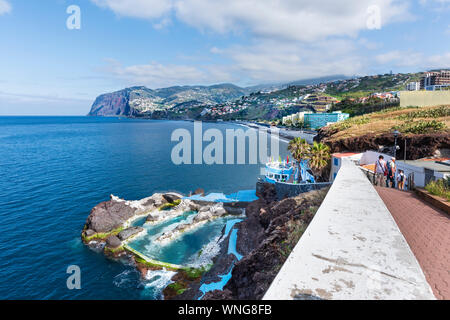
{"x": 109, "y": 228}
{"x": 265, "y": 238}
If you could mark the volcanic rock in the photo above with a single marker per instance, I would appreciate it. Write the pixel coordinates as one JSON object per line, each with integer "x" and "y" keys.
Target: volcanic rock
{"x": 113, "y": 242}
{"x": 109, "y": 215}
{"x": 199, "y": 191}
{"x": 170, "y": 197}
{"x": 89, "y": 232}
{"x": 129, "y": 232}
{"x": 263, "y": 239}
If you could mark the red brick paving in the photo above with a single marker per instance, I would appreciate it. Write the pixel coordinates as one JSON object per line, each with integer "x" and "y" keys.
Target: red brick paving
{"x": 427, "y": 231}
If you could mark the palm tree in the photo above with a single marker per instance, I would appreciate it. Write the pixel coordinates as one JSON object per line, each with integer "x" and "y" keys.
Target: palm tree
{"x": 299, "y": 148}
{"x": 319, "y": 158}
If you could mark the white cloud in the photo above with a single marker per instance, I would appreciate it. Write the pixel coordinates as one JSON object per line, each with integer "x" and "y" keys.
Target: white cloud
{"x": 262, "y": 61}
{"x": 5, "y": 7}
{"x": 400, "y": 58}
{"x": 156, "y": 75}
{"x": 287, "y": 39}
{"x": 436, "y": 5}
{"x": 148, "y": 9}
{"x": 303, "y": 20}
{"x": 414, "y": 59}
{"x": 439, "y": 60}
{"x": 276, "y": 61}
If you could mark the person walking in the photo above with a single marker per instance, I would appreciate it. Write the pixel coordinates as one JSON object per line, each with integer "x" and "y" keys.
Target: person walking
{"x": 380, "y": 171}
{"x": 392, "y": 168}
{"x": 401, "y": 180}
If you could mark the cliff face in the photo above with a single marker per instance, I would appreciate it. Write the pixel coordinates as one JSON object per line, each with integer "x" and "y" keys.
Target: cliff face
{"x": 142, "y": 101}
{"x": 119, "y": 103}
{"x": 417, "y": 145}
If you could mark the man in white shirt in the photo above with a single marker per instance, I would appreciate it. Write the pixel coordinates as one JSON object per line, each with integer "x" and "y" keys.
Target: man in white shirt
{"x": 380, "y": 172}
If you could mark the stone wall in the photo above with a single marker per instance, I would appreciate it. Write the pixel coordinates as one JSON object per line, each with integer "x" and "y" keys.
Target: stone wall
{"x": 424, "y": 98}
{"x": 285, "y": 190}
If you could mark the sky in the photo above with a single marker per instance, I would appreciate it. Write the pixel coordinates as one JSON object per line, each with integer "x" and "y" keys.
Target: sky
{"x": 48, "y": 67}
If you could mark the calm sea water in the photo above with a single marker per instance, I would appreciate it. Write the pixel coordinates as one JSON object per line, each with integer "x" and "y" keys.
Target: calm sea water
{"x": 53, "y": 170}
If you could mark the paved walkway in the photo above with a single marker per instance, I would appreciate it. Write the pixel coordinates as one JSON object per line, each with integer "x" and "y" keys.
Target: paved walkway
{"x": 427, "y": 231}
{"x": 346, "y": 253}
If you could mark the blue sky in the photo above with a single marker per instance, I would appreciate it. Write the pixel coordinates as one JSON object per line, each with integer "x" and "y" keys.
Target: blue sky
{"x": 47, "y": 69}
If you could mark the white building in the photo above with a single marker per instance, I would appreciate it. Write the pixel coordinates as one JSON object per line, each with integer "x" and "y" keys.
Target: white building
{"x": 295, "y": 118}
{"x": 413, "y": 86}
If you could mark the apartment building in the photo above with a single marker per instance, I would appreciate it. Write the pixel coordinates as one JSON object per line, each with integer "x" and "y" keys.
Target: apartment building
{"x": 435, "y": 80}
{"x": 413, "y": 86}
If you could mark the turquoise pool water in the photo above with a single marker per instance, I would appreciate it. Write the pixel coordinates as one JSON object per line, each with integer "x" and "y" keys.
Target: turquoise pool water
{"x": 206, "y": 287}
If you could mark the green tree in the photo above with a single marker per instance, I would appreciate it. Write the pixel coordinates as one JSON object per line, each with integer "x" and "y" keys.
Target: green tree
{"x": 319, "y": 158}
{"x": 299, "y": 148}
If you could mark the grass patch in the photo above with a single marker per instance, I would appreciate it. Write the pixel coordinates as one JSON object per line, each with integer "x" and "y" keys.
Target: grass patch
{"x": 155, "y": 264}
{"x": 168, "y": 206}
{"x": 420, "y": 127}
{"x": 350, "y": 122}
{"x": 195, "y": 273}
{"x": 440, "y": 188}
{"x": 113, "y": 250}
{"x": 404, "y": 119}
{"x": 441, "y": 112}
{"x": 177, "y": 287}
{"x": 150, "y": 263}
{"x": 102, "y": 235}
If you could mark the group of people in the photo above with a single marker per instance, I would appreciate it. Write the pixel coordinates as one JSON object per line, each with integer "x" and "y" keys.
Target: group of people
{"x": 385, "y": 174}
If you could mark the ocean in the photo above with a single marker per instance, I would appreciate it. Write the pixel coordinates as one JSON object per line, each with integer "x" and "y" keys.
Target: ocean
{"x": 54, "y": 170}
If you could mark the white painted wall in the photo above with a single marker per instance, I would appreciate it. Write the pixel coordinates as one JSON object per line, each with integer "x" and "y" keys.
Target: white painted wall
{"x": 352, "y": 249}
{"x": 370, "y": 157}
{"x": 336, "y": 163}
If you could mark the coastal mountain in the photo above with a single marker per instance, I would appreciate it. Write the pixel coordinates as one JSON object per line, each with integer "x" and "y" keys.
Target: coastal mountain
{"x": 230, "y": 102}
{"x": 141, "y": 100}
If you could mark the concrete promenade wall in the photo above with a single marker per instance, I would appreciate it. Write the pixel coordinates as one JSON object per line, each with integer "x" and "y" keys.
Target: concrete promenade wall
{"x": 424, "y": 98}
{"x": 352, "y": 249}
{"x": 287, "y": 190}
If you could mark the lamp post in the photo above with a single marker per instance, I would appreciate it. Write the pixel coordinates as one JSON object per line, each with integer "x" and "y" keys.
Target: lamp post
{"x": 396, "y": 134}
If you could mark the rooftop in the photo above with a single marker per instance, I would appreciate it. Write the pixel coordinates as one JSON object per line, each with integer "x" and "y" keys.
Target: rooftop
{"x": 345, "y": 154}
{"x": 431, "y": 164}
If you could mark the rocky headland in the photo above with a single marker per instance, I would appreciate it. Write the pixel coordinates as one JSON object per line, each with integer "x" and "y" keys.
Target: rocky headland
{"x": 109, "y": 228}
{"x": 266, "y": 235}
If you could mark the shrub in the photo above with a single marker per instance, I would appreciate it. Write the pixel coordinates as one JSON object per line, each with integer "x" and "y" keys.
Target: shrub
{"x": 350, "y": 122}
{"x": 421, "y": 126}
{"x": 443, "y": 111}
{"x": 195, "y": 273}
{"x": 439, "y": 188}
{"x": 177, "y": 287}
